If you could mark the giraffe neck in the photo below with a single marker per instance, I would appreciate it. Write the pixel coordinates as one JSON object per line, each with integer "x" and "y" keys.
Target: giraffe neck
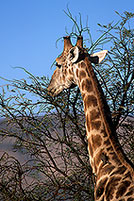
{"x": 102, "y": 144}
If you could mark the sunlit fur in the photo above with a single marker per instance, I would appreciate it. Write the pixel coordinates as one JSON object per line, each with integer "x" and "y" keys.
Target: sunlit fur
{"x": 113, "y": 172}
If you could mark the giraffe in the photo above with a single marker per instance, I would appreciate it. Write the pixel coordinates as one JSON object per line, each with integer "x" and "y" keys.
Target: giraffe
{"x": 114, "y": 173}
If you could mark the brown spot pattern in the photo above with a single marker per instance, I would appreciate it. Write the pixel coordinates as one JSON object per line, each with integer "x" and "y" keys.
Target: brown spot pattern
{"x": 89, "y": 101}
{"x": 87, "y": 85}
{"x": 105, "y": 170}
{"x": 122, "y": 188}
{"x": 77, "y": 72}
{"x": 96, "y": 125}
{"x": 110, "y": 188}
{"x": 131, "y": 191}
{"x": 70, "y": 71}
{"x": 63, "y": 77}
{"x": 94, "y": 114}
{"x": 65, "y": 71}
{"x": 120, "y": 171}
{"x": 96, "y": 140}
{"x": 82, "y": 75}
{"x": 83, "y": 65}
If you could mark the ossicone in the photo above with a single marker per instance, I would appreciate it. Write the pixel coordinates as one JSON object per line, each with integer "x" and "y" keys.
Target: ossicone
{"x": 67, "y": 43}
{"x": 79, "y": 41}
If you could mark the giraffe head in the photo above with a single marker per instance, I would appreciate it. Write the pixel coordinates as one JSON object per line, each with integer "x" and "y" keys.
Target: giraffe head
{"x": 66, "y": 74}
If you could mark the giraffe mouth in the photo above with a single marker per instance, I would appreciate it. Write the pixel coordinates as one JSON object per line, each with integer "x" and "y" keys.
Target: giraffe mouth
{"x": 53, "y": 91}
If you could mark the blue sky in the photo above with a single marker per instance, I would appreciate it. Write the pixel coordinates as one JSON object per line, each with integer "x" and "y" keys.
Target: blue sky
{"x": 30, "y": 28}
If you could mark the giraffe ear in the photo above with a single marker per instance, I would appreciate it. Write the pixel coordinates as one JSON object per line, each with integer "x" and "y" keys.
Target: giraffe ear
{"x": 74, "y": 54}
{"x": 98, "y": 56}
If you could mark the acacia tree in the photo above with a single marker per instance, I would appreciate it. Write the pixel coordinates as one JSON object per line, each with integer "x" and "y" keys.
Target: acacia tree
{"x": 51, "y": 132}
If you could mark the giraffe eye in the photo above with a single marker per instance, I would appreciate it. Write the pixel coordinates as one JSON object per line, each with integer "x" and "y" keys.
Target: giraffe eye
{"x": 58, "y": 65}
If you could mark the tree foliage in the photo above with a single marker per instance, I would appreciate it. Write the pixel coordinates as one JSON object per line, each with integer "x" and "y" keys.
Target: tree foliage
{"x": 50, "y": 132}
